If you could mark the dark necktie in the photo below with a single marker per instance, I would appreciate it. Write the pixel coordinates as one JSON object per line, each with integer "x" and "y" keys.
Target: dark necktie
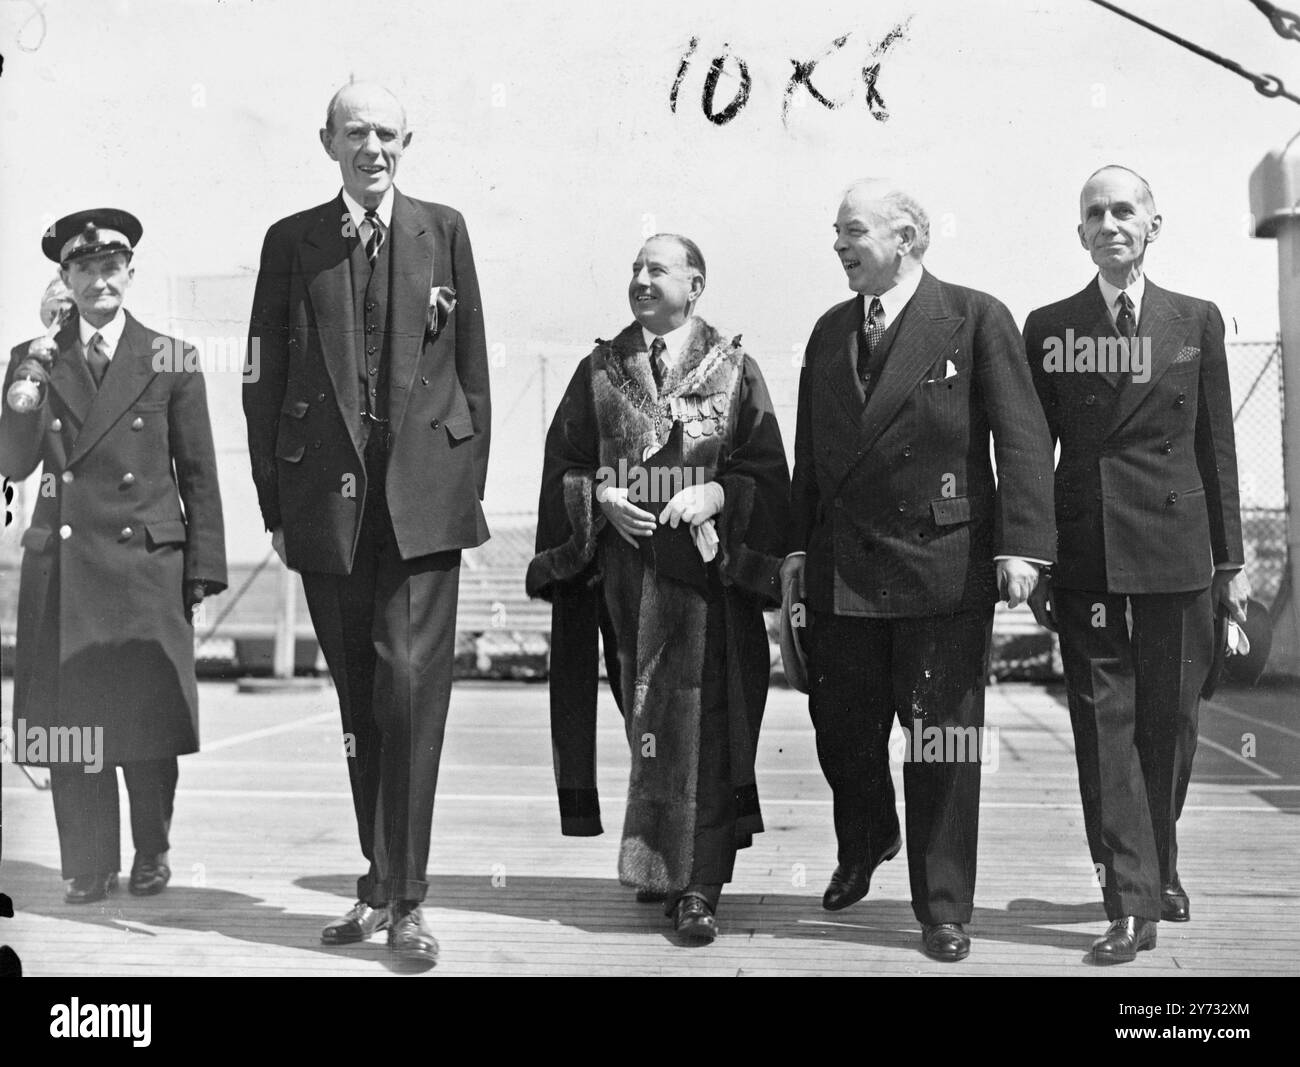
{"x": 97, "y": 359}
{"x": 375, "y": 238}
{"x": 1124, "y": 319}
{"x": 873, "y": 329}
{"x": 657, "y": 367}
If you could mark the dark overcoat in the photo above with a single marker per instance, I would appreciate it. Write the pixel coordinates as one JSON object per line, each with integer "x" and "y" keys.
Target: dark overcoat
{"x": 128, "y": 510}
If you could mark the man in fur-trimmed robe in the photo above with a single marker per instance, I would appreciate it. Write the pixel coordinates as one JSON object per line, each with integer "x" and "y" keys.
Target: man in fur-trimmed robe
{"x": 663, "y": 506}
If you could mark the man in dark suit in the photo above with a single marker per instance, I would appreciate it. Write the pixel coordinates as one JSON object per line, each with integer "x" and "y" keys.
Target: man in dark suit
{"x": 1134, "y": 382}
{"x": 368, "y": 418}
{"x": 126, "y": 538}
{"x": 908, "y": 541}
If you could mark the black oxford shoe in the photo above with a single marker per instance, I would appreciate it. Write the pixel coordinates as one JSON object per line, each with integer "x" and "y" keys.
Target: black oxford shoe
{"x": 90, "y": 888}
{"x": 148, "y": 876}
{"x": 1174, "y": 905}
{"x": 850, "y": 884}
{"x": 357, "y": 925}
{"x": 410, "y": 938}
{"x": 693, "y": 918}
{"x": 945, "y": 942}
{"x": 1124, "y": 939}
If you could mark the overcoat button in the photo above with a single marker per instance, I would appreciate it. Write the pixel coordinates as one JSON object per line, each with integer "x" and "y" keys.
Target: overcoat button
{"x": 126, "y": 533}
{"x": 424, "y": 380}
{"x": 65, "y": 532}
{"x": 137, "y": 423}
{"x": 902, "y": 505}
{"x": 1172, "y": 498}
{"x": 320, "y": 396}
{"x": 1167, "y": 447}
{"x": 907, "y": 452}
{"x": 433, "y": 424}
{"x": 128, "y": 478}
{"x": 1090, "y": 399}
{"x": 67, "y": 477}
{"x": 56, "y": 425}
{"x": 315, "y": 444}
{"x": 1182, "y": 399}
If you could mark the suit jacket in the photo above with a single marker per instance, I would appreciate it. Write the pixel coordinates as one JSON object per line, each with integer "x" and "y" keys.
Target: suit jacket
{"x": 302, "y": 399}
{"x": 1146, "y": 487}
{"x": 128, "y": 510}
{"x": 899, "y": 497}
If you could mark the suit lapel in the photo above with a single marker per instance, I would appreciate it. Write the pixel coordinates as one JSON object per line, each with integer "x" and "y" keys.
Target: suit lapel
{"x": 413, "y": 247}
{"x": 838, "y": 360}
{"x": 1097, "y": 324}
{"x": 922, "y": 337}
{"x": 126, "y": 378}
{"x": 1160, "y": 320}
{"x": 324, "y": 257}
{"x": 70, "y": 377}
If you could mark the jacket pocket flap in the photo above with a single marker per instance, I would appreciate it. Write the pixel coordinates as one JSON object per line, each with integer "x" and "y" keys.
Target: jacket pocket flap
{"x": 460, "y": 426}
{"x": 295, "y": 408}
{"x": 37, "y": 538}
{"x": 948, "y": 512}
{"x": 289, "y": 451}
{"x": 168, "y": 532}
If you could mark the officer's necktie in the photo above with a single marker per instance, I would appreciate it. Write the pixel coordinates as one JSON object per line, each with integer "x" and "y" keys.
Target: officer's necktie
{"x": 372, "y": 232}
{"x": 97, "y": 358}
{"x": 657, "y": 366}
{"x": 873, "y": 329}
{"x": 1124, "y": 319}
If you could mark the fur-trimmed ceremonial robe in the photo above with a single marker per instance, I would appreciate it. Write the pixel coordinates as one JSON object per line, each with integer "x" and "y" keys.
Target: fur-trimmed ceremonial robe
{"x": 611, "y": 418}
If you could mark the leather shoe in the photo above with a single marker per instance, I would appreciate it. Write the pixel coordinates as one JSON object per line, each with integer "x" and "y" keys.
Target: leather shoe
{"x": 409, "y": 937}
{"x": 650, "y": 896}
{"x": 90, "y": 887}
{"x": 357, "y": 925}
{"x": 946, "y": 942}
{"x": 850, "y": 884}
{"x": 148, "y": 876}
{"x": 693, "y": 918}
{"x": 1124, "y": 939}
{"x": 1174, "y": 905}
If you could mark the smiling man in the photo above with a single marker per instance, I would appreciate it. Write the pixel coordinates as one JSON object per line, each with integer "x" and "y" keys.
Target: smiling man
{"x": 1149, "y": 543}
{"x": 901, "y": 542}
{"x": 126, "y": 539}
{"x": 368, "y": 415}
{"x": 678, "y": 582}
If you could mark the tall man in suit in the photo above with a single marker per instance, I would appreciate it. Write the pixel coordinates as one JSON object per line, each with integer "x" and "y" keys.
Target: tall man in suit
{"x": 126, "y": 539}
{"x": 368, "y": 419}
{"x": 908, "y": 540}
{"x": 1134, "y": 382}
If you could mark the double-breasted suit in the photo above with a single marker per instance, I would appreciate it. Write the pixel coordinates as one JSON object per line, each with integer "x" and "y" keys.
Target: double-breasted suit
{"x": 368, "y": 428}
{"x": 897, "y": 506}
{"x": 1146, "y": 508}
{"x": 128, "y": 512}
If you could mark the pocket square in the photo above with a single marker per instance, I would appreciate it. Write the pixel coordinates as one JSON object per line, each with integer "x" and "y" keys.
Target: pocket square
{"x": 442, "y": 302}
{"x": 1186, "y": 354}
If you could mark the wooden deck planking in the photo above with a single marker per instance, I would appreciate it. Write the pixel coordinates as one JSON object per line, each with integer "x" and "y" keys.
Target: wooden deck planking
{"x": 264, "y": 854}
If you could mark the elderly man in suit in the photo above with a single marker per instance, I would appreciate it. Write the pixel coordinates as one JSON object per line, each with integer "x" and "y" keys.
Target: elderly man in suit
{"x": 1134, "y": 382}
{"x": 126, "y": 538}
{"x": 368, "y": 417}
{"x": 909, "y": 542}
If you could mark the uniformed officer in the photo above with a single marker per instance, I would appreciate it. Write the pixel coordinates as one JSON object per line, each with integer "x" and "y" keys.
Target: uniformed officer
{"x": 126, "y": 538}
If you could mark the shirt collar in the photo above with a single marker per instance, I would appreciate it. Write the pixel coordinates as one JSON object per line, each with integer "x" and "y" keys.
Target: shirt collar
{"x": 895, "y": 299}
{"x": 1110, "y": 294}
{"x": 674, "y": 340}
{"x": 358, "y": 213}
{"x": 110, "y": 332}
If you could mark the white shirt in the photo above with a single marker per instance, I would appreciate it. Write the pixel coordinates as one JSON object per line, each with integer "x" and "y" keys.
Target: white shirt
{"x": 1111, "y": 295}
{"x": 358, "y": 213}
{"x": 674, "y": 341}
{"x": 892, "y": 300}
{"x": 110, "y": 333}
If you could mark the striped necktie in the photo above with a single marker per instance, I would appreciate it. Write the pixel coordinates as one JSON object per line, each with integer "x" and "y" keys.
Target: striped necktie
{"x": 372, "y": 232}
